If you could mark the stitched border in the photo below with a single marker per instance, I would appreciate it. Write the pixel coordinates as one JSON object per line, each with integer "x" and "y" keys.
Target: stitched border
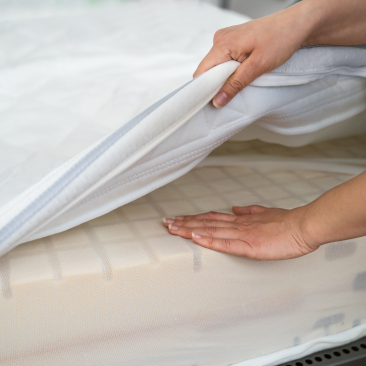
{"x": 327, "y": 101}
{"x": 152, "y": 170}
{"x": 331, "y": 71}
{"x": 280, "y": 127}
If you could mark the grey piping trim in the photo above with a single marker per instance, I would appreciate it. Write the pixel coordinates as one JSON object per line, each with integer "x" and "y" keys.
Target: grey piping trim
{"x": 334, "y": 45}
{"x": 73, "y": 172}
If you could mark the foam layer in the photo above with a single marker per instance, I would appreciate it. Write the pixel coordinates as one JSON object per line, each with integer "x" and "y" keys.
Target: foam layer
{"x": 67, "y": 98}
{"x": 120, "y": 290}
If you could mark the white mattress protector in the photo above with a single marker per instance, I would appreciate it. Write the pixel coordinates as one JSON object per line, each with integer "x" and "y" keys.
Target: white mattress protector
{"x": 49, "y": 185}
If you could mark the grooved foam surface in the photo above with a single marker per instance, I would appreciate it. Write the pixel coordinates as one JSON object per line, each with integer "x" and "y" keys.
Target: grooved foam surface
{"x": 119, "y": 290}
{"x": 73, "y": 79}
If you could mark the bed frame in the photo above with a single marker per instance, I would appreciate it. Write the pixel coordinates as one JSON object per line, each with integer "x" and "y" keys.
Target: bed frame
{"x": 351, "y": 354}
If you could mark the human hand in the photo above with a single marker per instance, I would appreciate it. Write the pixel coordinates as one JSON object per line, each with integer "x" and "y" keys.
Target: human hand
{"x": 254, "y": 232}
{"x": 260, "y": 46}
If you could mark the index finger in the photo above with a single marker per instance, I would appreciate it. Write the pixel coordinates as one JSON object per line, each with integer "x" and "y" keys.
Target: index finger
{"x": 249, "y": 70}
{"x": 213, "y": 58}
{"x": 218, "y": 216}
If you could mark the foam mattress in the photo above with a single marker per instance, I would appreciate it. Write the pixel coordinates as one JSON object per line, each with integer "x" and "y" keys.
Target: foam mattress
{"x": 99, "y": 116}
{"x": 70, "y": 150}
{"x": 119, "y": 290}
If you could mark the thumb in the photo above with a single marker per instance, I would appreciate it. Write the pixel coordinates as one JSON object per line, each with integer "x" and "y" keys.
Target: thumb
{"x": 246, "y": 73}
{"x": 248, "y": 210}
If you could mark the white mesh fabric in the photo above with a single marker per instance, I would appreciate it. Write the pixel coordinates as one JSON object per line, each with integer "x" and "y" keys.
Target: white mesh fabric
{"x": 72, "y": 151}
{"x": 119, "y": 290}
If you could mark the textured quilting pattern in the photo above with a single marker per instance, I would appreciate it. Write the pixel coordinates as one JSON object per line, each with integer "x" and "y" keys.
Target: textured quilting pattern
{"x": 120, "y": 290}
{"x": 69, "y": 78}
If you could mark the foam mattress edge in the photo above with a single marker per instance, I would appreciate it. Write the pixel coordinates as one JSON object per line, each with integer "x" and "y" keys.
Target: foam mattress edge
{"x": 319, "y": 344}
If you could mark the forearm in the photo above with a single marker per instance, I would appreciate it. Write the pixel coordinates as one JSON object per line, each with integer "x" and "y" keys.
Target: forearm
{"x": 335, "y": 22}
{"x": 338, "y": 214}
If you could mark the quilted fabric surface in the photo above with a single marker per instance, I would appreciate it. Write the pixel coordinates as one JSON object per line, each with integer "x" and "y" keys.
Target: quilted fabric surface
{"x": 70, "y": 77}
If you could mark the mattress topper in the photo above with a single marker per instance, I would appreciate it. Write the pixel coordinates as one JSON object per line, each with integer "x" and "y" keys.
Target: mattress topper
{"x": 62, "y": 169}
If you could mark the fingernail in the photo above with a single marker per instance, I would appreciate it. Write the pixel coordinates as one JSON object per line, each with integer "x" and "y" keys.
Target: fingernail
{"x": 171, "y": 227}
{"x": 196, "y": 236}
{"x": 179, "y": 217}
{"x": 168, "y": 221}
{"x": 220, "y": 100}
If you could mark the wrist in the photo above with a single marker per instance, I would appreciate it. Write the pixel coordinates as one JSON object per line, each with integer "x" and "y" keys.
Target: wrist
{"x": 312, "y": 15}
{"x": 308, "y": 227}
{"x": 338, "y": 214}
{"x": 319, "y": 222}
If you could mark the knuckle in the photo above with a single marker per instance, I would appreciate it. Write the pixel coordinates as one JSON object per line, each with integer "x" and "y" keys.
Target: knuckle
{"x": 212, "y": 214}
{"x": 226, "y": 243}
{"x": 263, "y": 64}
{"x": 245, "y": 226}
{"x": 211, "y": 229}
{"x": 207, "y": 222}
{"x": 236, "y": 85}
{"x": 187, "y": 229}
{"x": 258, "y": 209}
{"x": 218, "y": 34}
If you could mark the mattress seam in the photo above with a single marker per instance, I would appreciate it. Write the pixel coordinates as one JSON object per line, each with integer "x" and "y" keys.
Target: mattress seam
{"x": 151, "y": 170}
{"x": 329, "y": 100}
{"x": 286, "y": 131}
{"x": 332, "y": 71}
{"x": 267, "y": 112}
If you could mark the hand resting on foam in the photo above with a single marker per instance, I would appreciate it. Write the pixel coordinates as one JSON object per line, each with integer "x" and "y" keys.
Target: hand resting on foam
{"x": 262, "y": 233}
